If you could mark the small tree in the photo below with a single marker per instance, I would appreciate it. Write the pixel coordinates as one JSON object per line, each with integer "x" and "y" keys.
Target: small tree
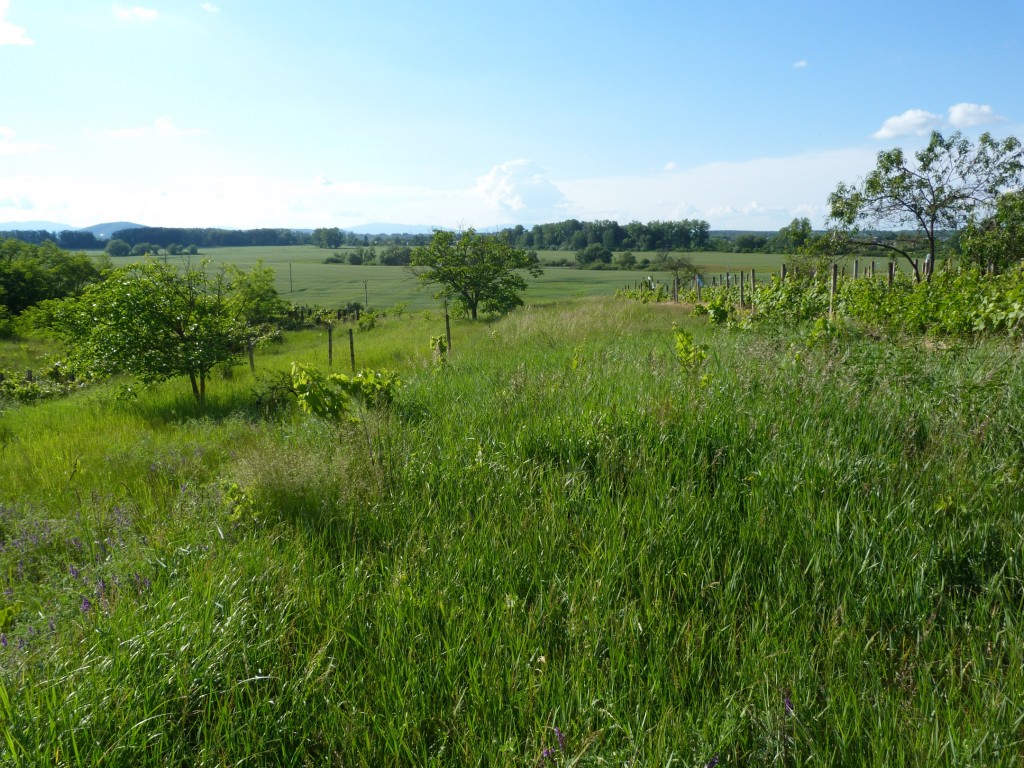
{"x": 158, "y": 322}
{"x": 118, "y": 248}
{"x": 940, "y": 188}
{"x": 475, "y": 271}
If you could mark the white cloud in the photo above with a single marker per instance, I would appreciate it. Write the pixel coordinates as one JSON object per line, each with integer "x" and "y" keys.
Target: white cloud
{"x": 919, "y": 122}
{"x": 11, "y": 34}
{"x": 913, "y": 121}
{"x": 761, "y": 194}
{"x": 519, "y": 186}
{"x": 10, "y": 147}
{"x": 136, "y": 13}
{"x": 162, "y": 128}
{"x": 800, "y": 64}
{"x": 671, "y": 166}
{"x": 209, "y": 7}
{"x": 965, "y": 115}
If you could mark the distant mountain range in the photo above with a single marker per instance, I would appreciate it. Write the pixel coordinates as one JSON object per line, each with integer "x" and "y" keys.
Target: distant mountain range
{"x": 100, "y": 230}
{"x": 107, "y": 229}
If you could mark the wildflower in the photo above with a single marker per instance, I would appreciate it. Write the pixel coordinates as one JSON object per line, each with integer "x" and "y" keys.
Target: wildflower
{"x": 86, "y": 605}
{"x": 3, "y": 640}
{"x": 561, "y": 738}
{"x": 712, "y": 762}
{"x": 788, "y": 704}
{"x": 73, "y": 571}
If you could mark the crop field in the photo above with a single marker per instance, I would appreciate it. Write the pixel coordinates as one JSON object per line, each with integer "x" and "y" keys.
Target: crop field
{"x": 599, "y": 533}
{"x": 302, "y": 277}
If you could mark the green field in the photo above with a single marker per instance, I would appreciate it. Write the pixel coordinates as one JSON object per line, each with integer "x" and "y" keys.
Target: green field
{"x": 302, "y": 277}
{"x": 795, "y": 550}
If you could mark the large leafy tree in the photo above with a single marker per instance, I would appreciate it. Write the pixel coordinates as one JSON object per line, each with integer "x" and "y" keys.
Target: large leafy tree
{"x": 159, "y": 321}
{"x": 477, "y": 272}
{"x": 938, "y": 188}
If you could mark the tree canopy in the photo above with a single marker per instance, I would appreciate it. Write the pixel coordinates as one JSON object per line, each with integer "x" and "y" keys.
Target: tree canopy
{"x": 30, "y": 273}
{"x": 157, "y": 321}
{"x": 940, "y": 187}
{"x": 996, "y": 241}
{"x": 477, "y": 272}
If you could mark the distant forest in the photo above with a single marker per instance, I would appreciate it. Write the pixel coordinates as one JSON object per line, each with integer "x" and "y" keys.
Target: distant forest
{"x": 568, "y": 235}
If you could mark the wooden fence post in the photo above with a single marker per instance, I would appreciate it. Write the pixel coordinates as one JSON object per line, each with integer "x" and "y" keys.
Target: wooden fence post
{"x": 856, "y": 269}
{"x": 832, "y": 290}
{"x": 892, "y": 272}
{"x": 742, "y": 302}
{"x": 783, "y": 271}
{"x": 252, "y": 358}
{"x": 447, "y": 328}
{"x": 330, "y": 345}
{"x": 352, "y": 349}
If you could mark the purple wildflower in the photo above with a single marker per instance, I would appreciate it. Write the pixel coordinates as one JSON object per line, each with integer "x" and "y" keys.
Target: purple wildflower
{"x": 788, "y": 704}
{"x": 73, "y": 571}
{"x": 561, "y": 738}
{"x": 548, "y": 754}
{"x": 86, "y": 605}
{"x": 3, "y": 640}
{"x": 712, "y": 762}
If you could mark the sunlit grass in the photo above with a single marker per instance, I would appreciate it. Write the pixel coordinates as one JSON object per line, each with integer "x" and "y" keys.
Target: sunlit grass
{"x": 793, "y": 554}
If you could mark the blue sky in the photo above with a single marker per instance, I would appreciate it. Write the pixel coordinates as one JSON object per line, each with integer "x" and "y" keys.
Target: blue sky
{"x": 252, "y": 113}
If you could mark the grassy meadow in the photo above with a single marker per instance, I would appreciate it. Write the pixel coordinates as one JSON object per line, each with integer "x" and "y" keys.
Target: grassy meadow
{"x": 302, "y": 277}
{"x": 560, "y": 547}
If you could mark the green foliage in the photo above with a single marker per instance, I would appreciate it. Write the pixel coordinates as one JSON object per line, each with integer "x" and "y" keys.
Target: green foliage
{"x": 794, "y": 300}
{"x": 720, "y": 309}
{"x": 319, "y": 396}
{"x": 649, "y": 291}
{"x": 30, "y": 274}
{"x": 691, "y": 355}
{"x": 330, "y": 396}
{"x": 593, "y": 254}
{"x": 157, "y": 322}
{"x": 477, "y": 272}
{"x": 997, "y": 241}
{"x": 368, "y": 320}
{"x": 956, "y": 302}
{"x": 439, "y": 349}
{"x": 118, "y": 248}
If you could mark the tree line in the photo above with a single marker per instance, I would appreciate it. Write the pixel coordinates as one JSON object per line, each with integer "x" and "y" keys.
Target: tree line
{"x": 575, "y": 235}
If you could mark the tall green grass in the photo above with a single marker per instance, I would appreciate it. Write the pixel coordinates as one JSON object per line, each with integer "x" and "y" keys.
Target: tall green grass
{"x": 791, "y": 554}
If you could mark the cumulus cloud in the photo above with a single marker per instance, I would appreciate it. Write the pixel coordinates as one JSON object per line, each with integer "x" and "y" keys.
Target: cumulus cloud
{"x": 671, "y": 166}
{"x": 913, "y": 121}
{"x": 162, "y": 128}
{"x": 965, "y": 115}
{"x": 11, "y": 34}
{"x": 209, "y": 7}
{"x": 10, "y": 147}
{"x": 800, "y": 64}
{"x": 519, "y": 186}
{"x": 919, "y": 122}
{"x": 135, "y": 13}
